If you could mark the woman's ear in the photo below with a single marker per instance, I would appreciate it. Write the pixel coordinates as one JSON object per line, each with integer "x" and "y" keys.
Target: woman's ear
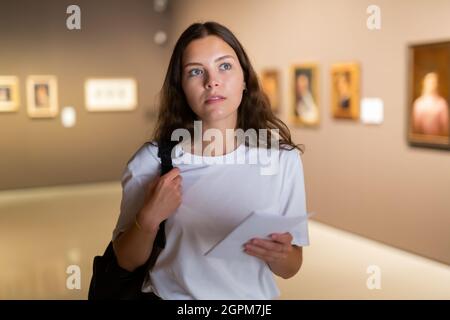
{"x": 245, "y": 86}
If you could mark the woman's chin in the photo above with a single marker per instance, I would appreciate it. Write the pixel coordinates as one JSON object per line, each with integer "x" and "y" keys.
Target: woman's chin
{"x": 214, "y": 116}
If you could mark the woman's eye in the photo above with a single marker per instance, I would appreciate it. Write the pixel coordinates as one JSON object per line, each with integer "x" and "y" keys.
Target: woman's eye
{"x": 225, "y": 66}
{"x": 194, "y": 72}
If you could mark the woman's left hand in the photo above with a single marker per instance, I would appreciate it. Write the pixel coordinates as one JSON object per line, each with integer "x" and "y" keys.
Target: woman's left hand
{"x": 272, "y": 250}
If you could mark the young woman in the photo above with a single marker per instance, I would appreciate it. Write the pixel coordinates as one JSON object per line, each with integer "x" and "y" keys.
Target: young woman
{"x": 212, "y": 186}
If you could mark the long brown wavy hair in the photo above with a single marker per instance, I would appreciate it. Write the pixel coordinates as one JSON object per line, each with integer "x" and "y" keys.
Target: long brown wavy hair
{"x": 254, "y": 112}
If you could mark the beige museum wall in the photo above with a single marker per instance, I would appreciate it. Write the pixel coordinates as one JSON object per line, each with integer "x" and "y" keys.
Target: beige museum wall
{"x": 360, "y": 178}
{"x": 116, "y": 40}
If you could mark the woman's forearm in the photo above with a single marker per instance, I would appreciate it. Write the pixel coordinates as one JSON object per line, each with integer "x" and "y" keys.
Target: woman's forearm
{"x": 134, "y": 246}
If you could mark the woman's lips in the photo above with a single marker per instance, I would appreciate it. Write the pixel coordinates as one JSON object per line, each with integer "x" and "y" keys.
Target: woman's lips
{"x": 214, "y": 100}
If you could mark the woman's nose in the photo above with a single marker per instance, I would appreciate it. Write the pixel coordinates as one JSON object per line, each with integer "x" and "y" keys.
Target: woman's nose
{"x": 211, "y": 82}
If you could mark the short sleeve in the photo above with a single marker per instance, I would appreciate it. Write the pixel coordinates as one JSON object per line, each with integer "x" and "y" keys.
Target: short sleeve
{"x": 142, "y": 168}
{"x": 133, "y": 196}
{"x": 293, "y": 197}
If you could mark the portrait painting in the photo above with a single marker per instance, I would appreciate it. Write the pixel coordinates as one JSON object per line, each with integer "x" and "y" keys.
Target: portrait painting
{"x": 305, "y": 95}
{"x": 429, "y": 95}
{"x": 270, "y": 80}
{"x": 9, "y": 93}
{"x": 42, "y": 96}
{"x": 345, "y": 91}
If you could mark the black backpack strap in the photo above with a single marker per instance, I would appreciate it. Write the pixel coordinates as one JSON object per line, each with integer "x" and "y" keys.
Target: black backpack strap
{"x": 165, "y": 153}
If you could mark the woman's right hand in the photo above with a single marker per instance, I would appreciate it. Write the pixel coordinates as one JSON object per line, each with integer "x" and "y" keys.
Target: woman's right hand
{"x": 162, "y": 199}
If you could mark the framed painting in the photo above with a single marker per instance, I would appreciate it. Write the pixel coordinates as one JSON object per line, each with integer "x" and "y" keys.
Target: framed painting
{"x": 9, "y": 94}
{"x": 429, "y": 95}
{"x": 270, "y": 80}
{"x": 305, "y": 95}
{"x": 110, "y": 94}
{"x": 42, "y": 96}
{"x": 345, "y": 90}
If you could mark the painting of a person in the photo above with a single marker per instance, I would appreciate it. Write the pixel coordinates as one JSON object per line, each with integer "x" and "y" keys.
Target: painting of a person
{"x": 5, "y": 94}
{"x": 343, "y": 90}
{"x": 270, "y": 87}
{"x": 430, "y": 110}
{"x": 306, "y": 107}
{"x": 41, "y": 95}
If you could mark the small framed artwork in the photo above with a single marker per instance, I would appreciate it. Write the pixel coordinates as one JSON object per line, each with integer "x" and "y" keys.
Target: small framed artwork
{"x": 107, "y": 94}
{"x": 429, "y": 95}
{"x": 345, "y": 90}
{"x": 270, "y": 80}
{"x": 305, "y": 95}
{"x": 42, "y": 96}
{"x": 9, "y": 94}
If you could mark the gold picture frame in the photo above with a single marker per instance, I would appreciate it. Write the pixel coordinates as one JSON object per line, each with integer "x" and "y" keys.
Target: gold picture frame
{"x": 305, "y": 102}
{"x": 9, "y": 94}
{"x": 345, "y": 90}
{"x": 42, "y": 96}
{"x": 270, "y": 81}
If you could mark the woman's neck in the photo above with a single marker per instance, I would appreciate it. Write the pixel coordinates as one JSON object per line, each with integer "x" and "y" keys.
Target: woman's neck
{"x": 216, "y": 146}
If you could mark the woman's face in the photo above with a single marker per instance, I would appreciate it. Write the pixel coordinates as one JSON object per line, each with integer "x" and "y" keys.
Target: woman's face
{"x": 213, "y": 81}
{"x": 302, "y": 84}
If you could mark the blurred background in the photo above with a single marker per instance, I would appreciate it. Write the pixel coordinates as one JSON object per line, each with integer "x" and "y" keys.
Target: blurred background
{"x": 380, "y": 188}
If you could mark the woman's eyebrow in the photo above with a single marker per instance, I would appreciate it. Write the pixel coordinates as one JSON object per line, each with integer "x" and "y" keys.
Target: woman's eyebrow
{"x": 199, "y": 64}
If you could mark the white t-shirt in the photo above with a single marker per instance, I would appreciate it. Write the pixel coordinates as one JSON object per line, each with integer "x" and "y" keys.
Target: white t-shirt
{"x": 216, "y": 196}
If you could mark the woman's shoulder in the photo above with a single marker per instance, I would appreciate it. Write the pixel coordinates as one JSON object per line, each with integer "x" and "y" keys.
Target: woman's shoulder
{"x": 290, "y": 159}
{"x": 285, "y": 155}
{"x": 289, "y": 153}
{"x": 145, "y": 160}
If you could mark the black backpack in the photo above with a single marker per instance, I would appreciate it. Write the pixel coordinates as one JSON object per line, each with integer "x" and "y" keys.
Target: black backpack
{"x": 109, "y": 280}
